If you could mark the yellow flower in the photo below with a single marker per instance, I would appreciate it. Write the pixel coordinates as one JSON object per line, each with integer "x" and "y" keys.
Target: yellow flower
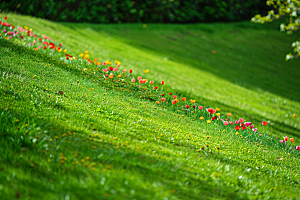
{"x": 81, "y": 55}
{"x": 119, "y": 76}
{"x": 208, "y": 121}
{"x": 193, "y": 101}
{"x": 117, "y": 62}
{"x": 65, "y": 50}
{"x": 60, "y": 50}
{"x": 218, "y": 114}
{"x": 146, "y": 71}
{"x": 108, "y": 63}
{"x": 30, "y": 29}
{"x": 218, "y": 109}
{"x": 86, "y": 52}
{"x": 201, "y": 118}
{"x": 17, "y": 120}
{"x": 237, "y": 133}
{"x": 294, "y": 115}
{"x": 26, "y": 28}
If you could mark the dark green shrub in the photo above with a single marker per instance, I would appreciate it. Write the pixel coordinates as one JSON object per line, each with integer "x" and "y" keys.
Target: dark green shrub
{"x": 116, "y": 11}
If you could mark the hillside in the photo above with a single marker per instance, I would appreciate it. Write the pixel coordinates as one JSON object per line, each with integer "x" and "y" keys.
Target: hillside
{"x": 247, "y": 76}
{"x": 71, "y": 133}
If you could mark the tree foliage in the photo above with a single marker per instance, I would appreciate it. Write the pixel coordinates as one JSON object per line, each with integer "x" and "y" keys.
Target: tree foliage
{"x": 290, "y": 9}
{"x": 132, "y": 11}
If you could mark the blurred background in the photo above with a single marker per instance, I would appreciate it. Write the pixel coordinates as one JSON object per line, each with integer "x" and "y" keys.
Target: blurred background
{"x": 146, "y": 11}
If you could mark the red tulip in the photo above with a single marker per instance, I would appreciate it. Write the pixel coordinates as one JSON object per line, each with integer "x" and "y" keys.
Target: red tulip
{"x": 130, "y": 71}
{"x": 211, "y": 111}
{"x": 264, "y": 123}
{"x": 162, "y": 82}
{"x": 237, "y": 128}
{"x": 187, "y": 106}
{"x": 156, "y": 87}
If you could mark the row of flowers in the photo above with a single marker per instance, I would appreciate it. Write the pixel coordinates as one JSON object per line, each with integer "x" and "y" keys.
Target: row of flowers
{"x": 49, "y": 46}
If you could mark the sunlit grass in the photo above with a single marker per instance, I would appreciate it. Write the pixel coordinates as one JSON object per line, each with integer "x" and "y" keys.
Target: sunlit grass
{"x": 95, "y": 140}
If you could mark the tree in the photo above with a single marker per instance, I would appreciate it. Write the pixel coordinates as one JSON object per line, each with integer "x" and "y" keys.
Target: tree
{"x": 289, "y": 8}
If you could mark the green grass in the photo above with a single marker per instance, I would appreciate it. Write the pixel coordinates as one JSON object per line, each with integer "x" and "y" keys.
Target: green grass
{"x": 117, "y": 134}
{"x": 248, "y": 76}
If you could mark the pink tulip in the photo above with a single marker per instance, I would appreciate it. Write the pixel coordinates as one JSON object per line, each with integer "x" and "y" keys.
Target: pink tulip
{"x": 237, "y": 122}
{"x": 163, "y": 99}
{"x": 119, "y": 65}
{"x": 105, "y": 70}
{"x": 226, "y": 123}
{"x": 241, "y": 120}
{"x": 151, "y": 82}
{"x": 298, "y": 148}
{"x": 252, "y": 127}
{"x": 200, "y": 107}
{"x": 133, "y": 80}
{"x": 104, "y": 63}
{"x": 187, "y": 106}
{"x": 231, "y": 123}
{"x": 174, "y": 96}
{"x": 139, "y": 78}
{"x": 281, "y": 141}
{"x": 115, "y": 69}
{"x": 124, "y": 71}
{"x": 248, "y": 123}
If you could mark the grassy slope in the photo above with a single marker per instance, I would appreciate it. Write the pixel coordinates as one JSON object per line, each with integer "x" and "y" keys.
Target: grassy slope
{"x": 153, "y": 171}
{"x": 248, "y": 76}
{"x": 126, "y": 159}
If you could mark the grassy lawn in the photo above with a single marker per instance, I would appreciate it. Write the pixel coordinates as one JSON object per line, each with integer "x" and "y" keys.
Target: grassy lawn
{"x": 247, "y": 76}
{"x": 109, "y": 140}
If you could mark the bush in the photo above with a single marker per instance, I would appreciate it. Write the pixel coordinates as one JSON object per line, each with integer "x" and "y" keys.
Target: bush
{"x": 117, "y": 11}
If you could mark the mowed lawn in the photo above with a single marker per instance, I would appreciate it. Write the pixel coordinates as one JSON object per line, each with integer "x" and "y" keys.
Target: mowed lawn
{"x": 70, "y": 133}
{"x": 248, "y": 76}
